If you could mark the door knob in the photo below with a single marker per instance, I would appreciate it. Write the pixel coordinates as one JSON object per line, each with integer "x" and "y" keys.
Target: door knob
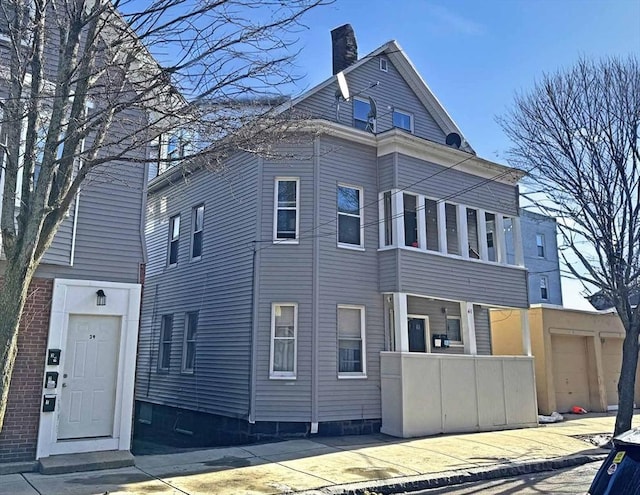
{"x": 64, "y": 384}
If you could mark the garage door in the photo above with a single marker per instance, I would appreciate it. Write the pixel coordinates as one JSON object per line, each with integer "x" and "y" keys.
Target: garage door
{"x": 611, "y": 363}
{"x": 570, "y": 372}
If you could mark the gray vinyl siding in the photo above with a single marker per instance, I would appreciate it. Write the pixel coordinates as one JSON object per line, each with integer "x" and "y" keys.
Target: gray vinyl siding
{"x": 59, "y": 253}
{"x": 218, "y": 286}
{"x": 454, "y": 278}
{"x": 109, "y": 242}
{"x": 483, "y": 329}
{"x": 438, "y": 310}
{"x": 454, "y": 186}
{"x": 348, "y": 277}
{"x": 392, "y": 91}
{"x": 386, "y": 172}
{"x": 285, "y": 276}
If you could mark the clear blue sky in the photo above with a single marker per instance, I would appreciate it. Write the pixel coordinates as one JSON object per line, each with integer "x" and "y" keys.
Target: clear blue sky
{"x": 475, "y": 55}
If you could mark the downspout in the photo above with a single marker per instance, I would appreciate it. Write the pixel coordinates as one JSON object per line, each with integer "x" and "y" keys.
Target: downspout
{"x": 72, "y": 255}
{"x": 255, "y": 280}
{"x": 316, "y": 289}
{"x": 254, "y": 335}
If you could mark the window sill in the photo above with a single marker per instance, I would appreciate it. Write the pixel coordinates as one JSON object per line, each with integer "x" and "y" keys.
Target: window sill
{"x": 197, "y": 258}
{"x": 355, "y": 376}
{"x": 286, "y": 241}
{"x": 187, "y": 372}
{"x": 282, "y": 377}
{"x": 351, "y": 247}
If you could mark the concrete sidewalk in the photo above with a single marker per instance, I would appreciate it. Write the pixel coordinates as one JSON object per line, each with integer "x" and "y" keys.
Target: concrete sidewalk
{"x": 332, "y": 465}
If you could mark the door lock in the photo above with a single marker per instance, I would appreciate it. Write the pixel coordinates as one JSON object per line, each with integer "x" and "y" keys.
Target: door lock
{"x": 64, "y": 385}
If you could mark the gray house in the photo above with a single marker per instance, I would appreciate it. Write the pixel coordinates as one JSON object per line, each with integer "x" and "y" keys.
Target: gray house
{"x": 341, "y": 288}
{"x": 73, "y": 381}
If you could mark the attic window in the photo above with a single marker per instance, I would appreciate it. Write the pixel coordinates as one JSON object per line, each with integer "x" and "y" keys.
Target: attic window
{"x": 384, "y": 65}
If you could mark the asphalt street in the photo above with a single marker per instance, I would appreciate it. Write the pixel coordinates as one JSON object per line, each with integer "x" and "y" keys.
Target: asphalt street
{"x": 566, "y": 481}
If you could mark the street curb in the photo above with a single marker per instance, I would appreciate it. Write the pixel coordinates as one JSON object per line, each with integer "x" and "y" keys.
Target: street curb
{"x": 448, "y": 478}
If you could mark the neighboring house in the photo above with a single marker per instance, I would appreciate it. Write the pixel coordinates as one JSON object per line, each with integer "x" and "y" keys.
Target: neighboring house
{"x": 341, "y": 287}
{"x": 72, "y": 386}
{"x": 601, "y": 302}
{"x": 578, "y": 355}
{"x": 540, "y": 246}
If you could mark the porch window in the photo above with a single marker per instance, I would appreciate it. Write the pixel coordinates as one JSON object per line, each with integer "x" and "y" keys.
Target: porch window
{"x": 490, "y": 222}
{"x": 387, "y": 214}
{"x": 454, "y": 332}
{"x": 472, "y": 232}
{"x": 410, "y": 220}
{"x": 431, "y": 218}
{"x": 451, "y": 220}
{"x": 351, "y": 345}
{"x": 284, "y": 331}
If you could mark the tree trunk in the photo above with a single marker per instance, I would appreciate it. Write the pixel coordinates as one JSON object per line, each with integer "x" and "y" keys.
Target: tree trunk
{"x": 627, "y": 381}
{"x": 13, "y": 296}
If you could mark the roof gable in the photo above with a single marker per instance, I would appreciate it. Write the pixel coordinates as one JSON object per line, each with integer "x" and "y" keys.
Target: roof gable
{"x": 401, "y": 88}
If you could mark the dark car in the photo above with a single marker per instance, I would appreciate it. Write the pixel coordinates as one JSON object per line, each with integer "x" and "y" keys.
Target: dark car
{"x": 620, "y": 472}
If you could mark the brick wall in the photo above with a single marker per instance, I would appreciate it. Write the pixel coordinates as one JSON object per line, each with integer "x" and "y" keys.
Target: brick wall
{"x": 19, "y": 434}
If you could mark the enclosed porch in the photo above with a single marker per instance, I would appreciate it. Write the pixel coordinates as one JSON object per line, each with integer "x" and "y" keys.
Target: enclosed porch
{"x": 440, "y": 375}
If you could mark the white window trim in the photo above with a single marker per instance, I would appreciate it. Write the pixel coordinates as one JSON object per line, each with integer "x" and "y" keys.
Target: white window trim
{"x": 374, "y": 121}
{"x": 161, "y": 348}
{"x": 455, "y": 343}
{"x": 284, "y": 375}
{"x": 544, "y": 284}
{"x": 194, "y": 232}
{"x": 542, "y": 245}
{"x": 384, "y": 64}
{"x": 408, "y": 114}
{"x": 351, "y": 375}
{"x": 185, "y": 341}
{"x": 171, "y": 239}
{"x": 346, "y": 245}
{"x": 285, "y": 240}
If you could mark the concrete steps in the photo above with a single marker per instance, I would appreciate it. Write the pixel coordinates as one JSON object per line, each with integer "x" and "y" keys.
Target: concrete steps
{"x": 89, "y": 461}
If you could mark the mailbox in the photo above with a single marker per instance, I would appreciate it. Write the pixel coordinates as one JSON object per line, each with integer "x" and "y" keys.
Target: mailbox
{"x": 49, "y": 403}
{"x": 51, "y": 379}
{"x": 53, "y": 357}
{"x": 440, "y": 341}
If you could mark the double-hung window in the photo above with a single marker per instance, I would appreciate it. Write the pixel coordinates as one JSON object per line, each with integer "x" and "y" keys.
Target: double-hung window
{"x": 284, "y": 323}
{"x": 286, "y": 213}
{"x": 454, "y": 329}
{"x": 351, "y": 341}
{"x": 350, "y": 228}
{"x": 544, "y": 288}
{"x": 540, "y": 245}
{"x": 362, "y": 116}
{"x": 403, "y": 120}
{"x": 174, "y": 239}
{"x": 189, "y": 343}
{"x": 197, "y": 230}
{"x": 166, "y": 336}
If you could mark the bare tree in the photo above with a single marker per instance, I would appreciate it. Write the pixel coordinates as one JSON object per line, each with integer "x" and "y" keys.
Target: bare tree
{"x": 86, "y": 83}
{"x": 576, "y": 133}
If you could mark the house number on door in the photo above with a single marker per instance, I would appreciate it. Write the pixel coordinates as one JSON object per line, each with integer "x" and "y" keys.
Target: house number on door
{"x": 91, "y": 337}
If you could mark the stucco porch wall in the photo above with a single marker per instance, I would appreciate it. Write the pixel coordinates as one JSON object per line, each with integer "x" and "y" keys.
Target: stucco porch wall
{"x": 428, "y": 394}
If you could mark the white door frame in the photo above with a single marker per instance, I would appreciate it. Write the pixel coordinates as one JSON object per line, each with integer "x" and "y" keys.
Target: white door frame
{"x": 427, "y": 329}
{"x": 79, "y": 297}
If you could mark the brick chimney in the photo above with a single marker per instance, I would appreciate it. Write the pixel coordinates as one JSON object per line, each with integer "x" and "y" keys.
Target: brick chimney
{"x": 345, "y": 48}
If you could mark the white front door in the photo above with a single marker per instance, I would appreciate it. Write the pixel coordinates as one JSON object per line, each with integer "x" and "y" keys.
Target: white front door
{"x": 87, "y": 402}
